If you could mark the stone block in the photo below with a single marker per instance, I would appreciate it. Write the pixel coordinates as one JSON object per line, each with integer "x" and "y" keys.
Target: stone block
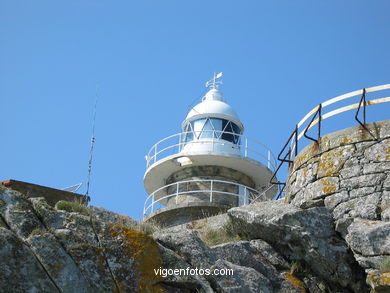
{"x": 379, "y": 152}
{"x": 304, "y": 176}
{"x": 386, "y": 182}
{"x": 362, "y": 181}
{"x": 333, "y": 200}
{"x": 376, "y": 167}
{"x": 322, "y": 187}
{"x": 331, "y": 162}
{"x": 349, "y": 172}
{"x": 360, "y": 192}
{"x": 364, "y": 207}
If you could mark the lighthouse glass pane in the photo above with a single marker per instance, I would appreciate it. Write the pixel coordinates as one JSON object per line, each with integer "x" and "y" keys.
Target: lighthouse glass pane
{"x": 237, "y": 130}
{"x": 207, "y": 131}
{"x": 217, "y": 124}
{"x": 197, "y": 126}
{"x": 188, "y": 137}
{"x": 227, "y": 133}
{"x": 188, "y": 134}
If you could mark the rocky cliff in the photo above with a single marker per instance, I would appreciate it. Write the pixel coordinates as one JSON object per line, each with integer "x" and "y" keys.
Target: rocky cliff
{"x": 330, "y": 234}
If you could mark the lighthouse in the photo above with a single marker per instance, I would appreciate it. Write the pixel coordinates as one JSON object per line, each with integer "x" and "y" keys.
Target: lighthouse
{"x": 207, "y": 168}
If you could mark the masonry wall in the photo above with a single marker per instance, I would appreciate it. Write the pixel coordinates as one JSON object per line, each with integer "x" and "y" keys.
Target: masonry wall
{"x": 349, "y": 174}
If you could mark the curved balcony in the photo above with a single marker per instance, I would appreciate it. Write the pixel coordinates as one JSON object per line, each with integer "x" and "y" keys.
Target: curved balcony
{"x": 207, "y": 190}
{"x": 212, "y": 141}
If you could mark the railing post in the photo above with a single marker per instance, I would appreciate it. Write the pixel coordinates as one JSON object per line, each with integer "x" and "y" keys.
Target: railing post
{"x": 180, "y": 141}
{"x": 152, "y": 203}
{"x": 211, "y": 191}
{"x": 212, "y": 140}
{"x": 319, "y": 122}
{"x": 177, "y": 191}
{"x": 246, "y": 147}
{"x": 269, "y": 159}
{"x": 245, "y": 195}
{"x": 296, "y": 139}
{"x": 155, "y": 153}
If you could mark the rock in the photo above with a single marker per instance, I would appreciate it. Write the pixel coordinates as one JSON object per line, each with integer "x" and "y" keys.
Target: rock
{"x": 385, "y": 215}
{"x": 241, "y": 253}
{"x": 362, "y": 181}
{"x": 106, "y": 216}
{"x": 379, "y": 152}
{"x": 376, "y": 167}
{"x": 307, "y": 235}
{"x": 18, "y": 214}
{"x": 88, "y": 257}
{"x": 369, "y": 238}
{"x": 250, "y": 254}
{"x": 342, "y": 226}
{"x": 386, "y": 182}
{"x": 353, "y": 171}
{"x": 370, "y": 263}
{"x": 331, "y": 161}
{"x": 181, "y": 281}
{"x": 303, "y": 176}
{"x": 333, "y": 200}
{"x": 188, "y": 245}
{"x": 379, "y": 282}
{"x": 57, "y": 220}
{"x": 316, "y": 190}
{"x": 239, "y": 279}
{"x": 20, "y": 270}
{"x": 360, "y": 192}
{"x": 269, "y": 253}
{"x": 58, "y": 264}
{"x": 365, "y": 207}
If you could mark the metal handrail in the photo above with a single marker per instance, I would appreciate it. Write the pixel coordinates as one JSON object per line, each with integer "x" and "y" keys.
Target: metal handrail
{"x": 287, "y": 156}
{"x": 244, "y": 145}
{"x": 149, "y": 207}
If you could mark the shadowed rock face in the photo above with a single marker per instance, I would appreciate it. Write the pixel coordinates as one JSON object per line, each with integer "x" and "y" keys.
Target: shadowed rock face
{"x": 50, "y": 250}
{"x": 304, "y": 235}
{"x": 47, "y": 250}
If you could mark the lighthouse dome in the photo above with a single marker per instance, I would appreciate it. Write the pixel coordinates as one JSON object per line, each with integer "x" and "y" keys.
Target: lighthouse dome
{"x": 213, "y": 105}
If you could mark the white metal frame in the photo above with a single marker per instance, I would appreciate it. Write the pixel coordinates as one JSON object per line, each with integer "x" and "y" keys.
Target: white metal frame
{"x": 245, "y": 194}
{"x": 249, "y": 148}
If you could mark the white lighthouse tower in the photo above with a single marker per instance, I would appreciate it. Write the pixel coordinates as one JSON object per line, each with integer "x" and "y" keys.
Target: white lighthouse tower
{"x": 207, "y": 168}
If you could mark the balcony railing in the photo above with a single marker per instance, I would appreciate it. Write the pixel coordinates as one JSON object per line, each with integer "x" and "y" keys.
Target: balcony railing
{"x": 316, "y": 116}
{"x": 211, "y": 189}
{"x": 247, "y": 147}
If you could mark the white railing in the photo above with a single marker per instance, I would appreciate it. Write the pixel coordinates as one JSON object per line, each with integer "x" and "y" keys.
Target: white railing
{"x": 247, "y": 147}
{"x": 316, "y": 116}
{"x": 322, "y": 116}
{"x": 159, "y": 197}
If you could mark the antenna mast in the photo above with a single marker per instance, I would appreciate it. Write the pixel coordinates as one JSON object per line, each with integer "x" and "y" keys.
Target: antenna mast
{"x": 91, "y": 148}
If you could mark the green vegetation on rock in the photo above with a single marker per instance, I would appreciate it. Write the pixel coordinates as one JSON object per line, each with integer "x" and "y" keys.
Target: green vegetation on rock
{"x": 215, "y": 236}
{"x": 69, "y": 206}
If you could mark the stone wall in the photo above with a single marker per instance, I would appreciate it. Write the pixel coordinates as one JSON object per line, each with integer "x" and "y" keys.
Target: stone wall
{"x": 348, "y": 172}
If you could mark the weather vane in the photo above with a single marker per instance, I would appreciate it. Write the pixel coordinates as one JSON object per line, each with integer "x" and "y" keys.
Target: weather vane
{"x": 214, "y": 83}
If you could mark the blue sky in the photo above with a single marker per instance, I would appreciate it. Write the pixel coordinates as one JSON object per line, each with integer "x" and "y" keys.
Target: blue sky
{"x": 149, "y": 61}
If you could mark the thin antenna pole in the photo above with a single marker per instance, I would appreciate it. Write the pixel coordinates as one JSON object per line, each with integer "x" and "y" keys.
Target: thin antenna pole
{"x": 91, "y": 148}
